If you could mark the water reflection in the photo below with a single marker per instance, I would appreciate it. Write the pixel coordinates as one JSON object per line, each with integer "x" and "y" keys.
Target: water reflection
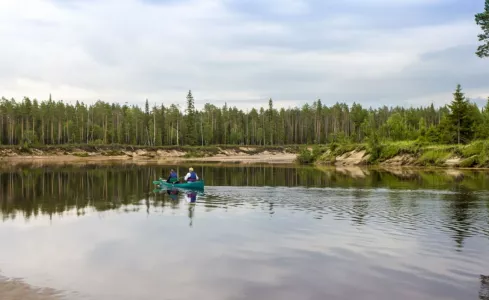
{"x": 397, "y": 234}
{"x": 360, "y": 206}
{"x": 174, "y": 194}
{"x": 461, "y": 211}
{"x": 411, "y": 197}
{"x": 484, "y": 291}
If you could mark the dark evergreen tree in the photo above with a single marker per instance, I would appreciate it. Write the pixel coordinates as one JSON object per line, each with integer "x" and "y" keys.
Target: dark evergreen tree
{"x": 482, "y": 19}
{"x": 271, "y": 123}
{"x": 190, "y": 119}
{"x": 461, "y": 118}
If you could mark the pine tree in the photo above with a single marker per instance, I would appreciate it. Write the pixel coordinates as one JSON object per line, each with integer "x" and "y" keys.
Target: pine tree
{"x": 358, "y": 115}
{"x": 483, "y": 128}
{"x": 422, "y": 127}
{"x": 270, "y": 120}
{"x": 482, "y": 19}
{"x": 460, "y": 117}
{"x": 147, "y": 118}
{"x": 190, "y": 137}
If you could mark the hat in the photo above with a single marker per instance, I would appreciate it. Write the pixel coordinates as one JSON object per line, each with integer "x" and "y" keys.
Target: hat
{"x": 191, "y": 169}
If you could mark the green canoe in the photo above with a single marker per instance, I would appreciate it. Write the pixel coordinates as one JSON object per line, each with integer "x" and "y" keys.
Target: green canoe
{"x": 184, "y": 185}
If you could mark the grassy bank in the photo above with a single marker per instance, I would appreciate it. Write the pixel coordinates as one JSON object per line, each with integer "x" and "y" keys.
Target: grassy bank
{"x": 409, "y": 153}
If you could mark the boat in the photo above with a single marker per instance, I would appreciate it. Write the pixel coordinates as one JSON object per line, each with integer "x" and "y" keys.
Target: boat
{"x": 198, "y": 185}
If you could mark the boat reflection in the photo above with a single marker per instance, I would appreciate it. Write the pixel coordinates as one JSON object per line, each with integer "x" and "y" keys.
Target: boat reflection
{"x": 173, "y": 193}
{"x": 191, "y": 196}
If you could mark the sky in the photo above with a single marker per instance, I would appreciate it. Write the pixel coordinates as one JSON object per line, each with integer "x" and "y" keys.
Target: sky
{"x": 242, "y": 52}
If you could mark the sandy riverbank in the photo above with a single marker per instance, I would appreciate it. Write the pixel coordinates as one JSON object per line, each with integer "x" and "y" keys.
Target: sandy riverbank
{"x": 244, "y": 155}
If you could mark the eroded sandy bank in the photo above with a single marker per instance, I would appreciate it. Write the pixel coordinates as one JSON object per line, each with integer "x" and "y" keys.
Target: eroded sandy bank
{"x": 77, "y": 156}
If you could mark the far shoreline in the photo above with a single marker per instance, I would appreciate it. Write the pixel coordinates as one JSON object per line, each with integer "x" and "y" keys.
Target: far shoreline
{"x": 232, "y": 159}
{"x": 406, "y": 155}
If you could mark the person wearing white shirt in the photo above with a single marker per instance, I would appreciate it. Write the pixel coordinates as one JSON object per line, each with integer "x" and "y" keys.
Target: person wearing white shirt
{"x": 191, "y": 176}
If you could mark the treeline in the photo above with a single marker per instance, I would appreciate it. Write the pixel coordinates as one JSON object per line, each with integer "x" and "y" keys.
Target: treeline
{"x": 32, "y": 123}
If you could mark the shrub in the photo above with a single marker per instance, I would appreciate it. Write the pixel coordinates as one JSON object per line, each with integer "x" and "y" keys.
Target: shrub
{"x": 469, "y": 162}
{"x": 474, "y": 148}
{"x": 113, "y": 153}
{"x": 81, "y": 154}
{"x": 374, "y": 147}
{"x": 484, "y": 155}
{"x": 433, "y": 157}
{"x": 305, "y": 156}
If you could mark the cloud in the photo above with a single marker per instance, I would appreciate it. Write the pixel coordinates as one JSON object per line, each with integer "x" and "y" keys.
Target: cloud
{"x": 241, "y": 52}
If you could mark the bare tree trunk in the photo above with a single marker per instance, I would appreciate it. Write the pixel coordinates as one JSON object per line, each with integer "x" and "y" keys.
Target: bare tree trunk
{"x": 88, "y": 121}
{"x": 43, "y": 136}
{"x": 1, "y": 129}
{"x": 22, "y": 130}
{"x": 178, "y": 142}
{"x": 458, "y": 131}
{"x": 81, "y": 127}
{"x": 326, "y": 128}
{"x": 105, "y": 129}
{"x": 52, "y": 132}
{"x": 202, "y": 130}
{"x": 60, "y": 132}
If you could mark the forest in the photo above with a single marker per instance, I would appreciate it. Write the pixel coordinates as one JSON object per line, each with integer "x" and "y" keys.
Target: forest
{"x": 34, "y": 123}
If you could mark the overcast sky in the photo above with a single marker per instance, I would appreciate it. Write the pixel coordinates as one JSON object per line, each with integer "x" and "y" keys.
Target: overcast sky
{"x": 394, "y": 52}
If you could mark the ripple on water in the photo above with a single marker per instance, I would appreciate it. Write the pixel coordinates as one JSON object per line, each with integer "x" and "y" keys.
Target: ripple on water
{"x": 277, "y": 243}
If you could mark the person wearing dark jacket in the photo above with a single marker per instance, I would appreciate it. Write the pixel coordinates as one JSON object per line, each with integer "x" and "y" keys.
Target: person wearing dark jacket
{"x": 173, "y": 178}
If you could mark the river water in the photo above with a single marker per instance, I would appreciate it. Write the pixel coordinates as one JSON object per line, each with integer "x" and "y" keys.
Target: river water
{"x": 103, "y": 232}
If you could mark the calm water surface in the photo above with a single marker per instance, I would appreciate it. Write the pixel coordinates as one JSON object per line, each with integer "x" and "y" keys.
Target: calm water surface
{"x": 102, "y": 232}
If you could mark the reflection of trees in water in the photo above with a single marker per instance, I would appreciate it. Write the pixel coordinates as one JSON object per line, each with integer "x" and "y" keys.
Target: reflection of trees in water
{"x": 360, "y": 206}
{"x": 271, "y": 212}
{"x": 395, "y": 201}
{"x": 484, "y": 291}
{"x": 55, "y": 190}
{"x": 191, "y": 212}
{"x": 51, "y": 190}
{"x": 461, "y": 207}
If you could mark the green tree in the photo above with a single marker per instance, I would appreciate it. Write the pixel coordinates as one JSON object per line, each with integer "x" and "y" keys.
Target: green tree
{"x": 190, "y": 136}
{"x": 422, "y": 127}
{"x": 483, "y": 128}
{"x": 482, "y": 19}
{"x": 433, "y": 134}
{"x": 461, "y": 118}
{"x": 147, "y": 124}
{"x": 358, "y": 115}
{"x": 271, "y": 123}
{"x": 396, "y": 127}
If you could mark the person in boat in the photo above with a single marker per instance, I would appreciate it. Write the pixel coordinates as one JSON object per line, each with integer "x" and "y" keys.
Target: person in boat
{"x": 173, "y": 178}
{"x": 191, "y": 176}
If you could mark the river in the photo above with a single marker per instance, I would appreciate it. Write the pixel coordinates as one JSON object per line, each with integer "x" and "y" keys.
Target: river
{"x": 255, "y": 232}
